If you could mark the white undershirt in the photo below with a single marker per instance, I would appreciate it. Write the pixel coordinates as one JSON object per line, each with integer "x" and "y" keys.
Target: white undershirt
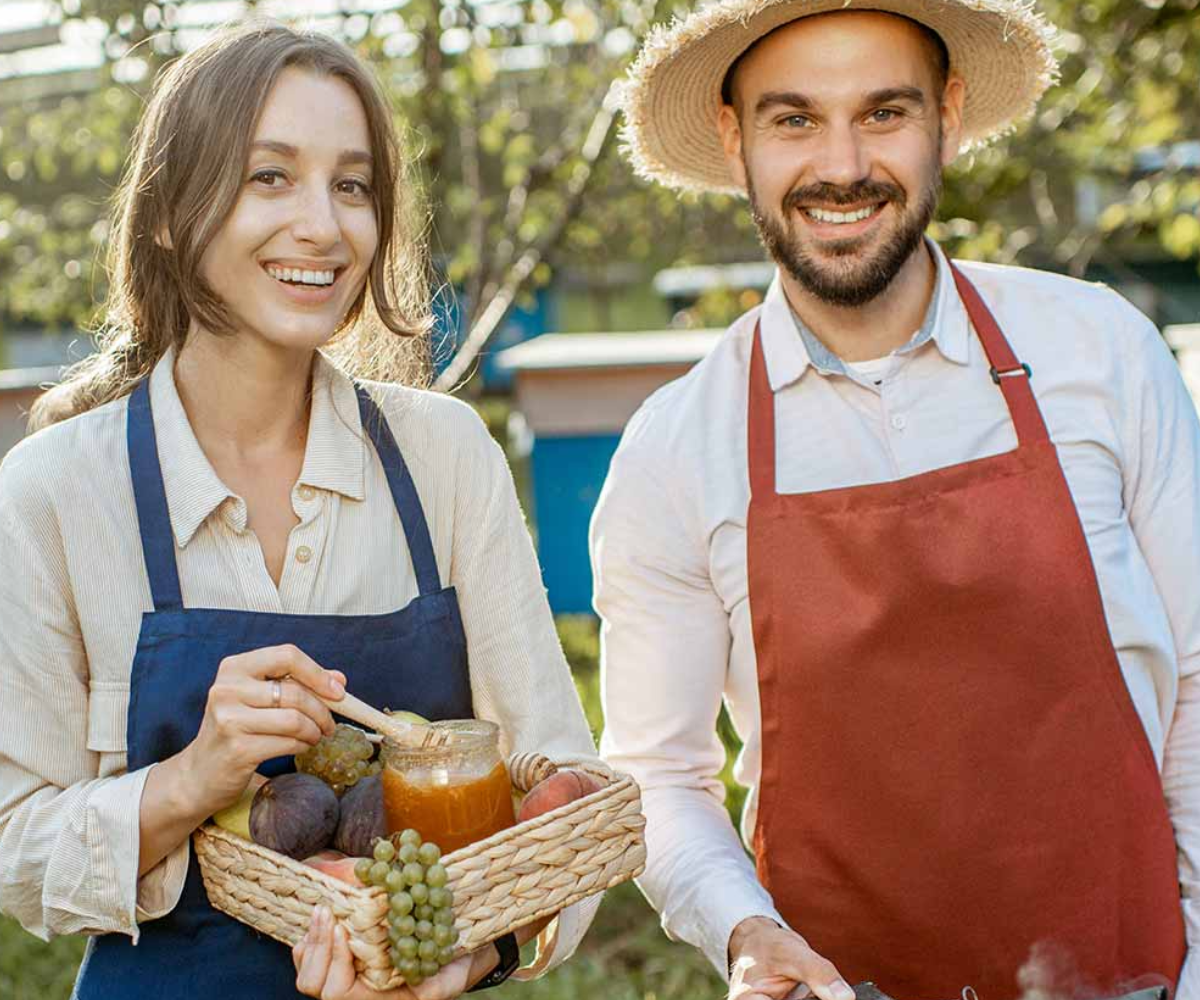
{"x": 873, "y": 371}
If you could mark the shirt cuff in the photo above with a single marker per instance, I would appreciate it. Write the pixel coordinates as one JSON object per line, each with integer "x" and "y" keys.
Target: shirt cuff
{"x": 160, "y": 888}
{"x": 114, "y": 842}
{"x": 749, "y": 901}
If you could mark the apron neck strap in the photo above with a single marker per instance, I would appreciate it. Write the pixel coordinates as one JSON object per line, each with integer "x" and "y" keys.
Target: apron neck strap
{"x": 404, "y": 493}
{"x": 760, "y": 423}
{"x": 150, "y": 496}
{"x": 1007, "y": 372}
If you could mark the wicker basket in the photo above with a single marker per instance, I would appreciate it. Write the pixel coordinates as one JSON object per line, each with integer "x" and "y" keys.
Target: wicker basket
{"x": 510, "y": 879}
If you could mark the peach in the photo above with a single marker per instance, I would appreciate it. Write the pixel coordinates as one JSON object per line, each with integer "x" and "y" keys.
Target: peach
{"x": 336, "y": 864}
{"x": 557, "y": 790}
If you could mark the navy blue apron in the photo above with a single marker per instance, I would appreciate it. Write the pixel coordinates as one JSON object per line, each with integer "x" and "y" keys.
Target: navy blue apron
{"x": 414, "y": 658}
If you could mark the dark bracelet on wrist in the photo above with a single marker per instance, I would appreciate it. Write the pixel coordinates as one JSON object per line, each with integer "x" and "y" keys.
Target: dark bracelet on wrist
{"x": 510, "y": 961}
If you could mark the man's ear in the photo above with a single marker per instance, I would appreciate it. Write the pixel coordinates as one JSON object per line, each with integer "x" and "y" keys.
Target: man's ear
{"x": 953, "y": 98}
{"x": 729, "y": 128}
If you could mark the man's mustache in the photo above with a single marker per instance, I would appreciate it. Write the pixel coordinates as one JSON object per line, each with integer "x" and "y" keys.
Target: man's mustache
{"x": 856, "y": 194}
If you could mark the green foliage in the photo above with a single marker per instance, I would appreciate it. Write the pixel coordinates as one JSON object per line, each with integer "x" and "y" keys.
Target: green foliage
{"x": 580, "y": 638}
{"x": 1075, "y": 185}
{"x": 499, "y": 148}
{"x": 30, "y": 969}
{"x": 719, "y": 306}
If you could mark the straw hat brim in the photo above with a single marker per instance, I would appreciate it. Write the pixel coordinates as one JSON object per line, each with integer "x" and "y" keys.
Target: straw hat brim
{"x": 1003, "y": 50}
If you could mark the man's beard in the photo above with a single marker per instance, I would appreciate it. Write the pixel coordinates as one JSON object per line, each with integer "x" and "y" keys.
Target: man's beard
{"x": 854, "y": 284}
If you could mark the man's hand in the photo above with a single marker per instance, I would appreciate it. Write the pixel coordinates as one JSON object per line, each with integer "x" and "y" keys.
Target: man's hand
{"x": 770, "y": 962}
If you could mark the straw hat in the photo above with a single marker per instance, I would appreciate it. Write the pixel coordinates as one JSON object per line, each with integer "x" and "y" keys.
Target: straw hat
{"x": 1001, "y": 48}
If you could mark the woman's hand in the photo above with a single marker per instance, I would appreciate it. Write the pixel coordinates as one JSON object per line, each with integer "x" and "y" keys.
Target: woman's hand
{"x": 261, "y": 705}
{"x": 325, "y": 968}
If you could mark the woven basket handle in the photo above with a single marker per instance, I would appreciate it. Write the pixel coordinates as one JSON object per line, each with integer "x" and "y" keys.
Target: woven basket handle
{"x": 527, "y": 769}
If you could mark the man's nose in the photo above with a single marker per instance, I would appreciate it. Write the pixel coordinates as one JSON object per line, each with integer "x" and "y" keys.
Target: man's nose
{"x": 842, "y": 159}
{"x": 316, "y": 219}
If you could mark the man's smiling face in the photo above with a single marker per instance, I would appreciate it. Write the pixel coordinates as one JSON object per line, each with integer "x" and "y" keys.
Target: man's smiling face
{"x": 839, "y": 130}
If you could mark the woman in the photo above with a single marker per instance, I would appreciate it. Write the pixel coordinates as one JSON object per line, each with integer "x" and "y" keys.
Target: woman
{"x": 228, "y": 526}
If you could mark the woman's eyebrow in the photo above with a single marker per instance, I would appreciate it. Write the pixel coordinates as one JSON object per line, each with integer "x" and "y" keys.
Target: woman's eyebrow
{"x": 287, "y": 149}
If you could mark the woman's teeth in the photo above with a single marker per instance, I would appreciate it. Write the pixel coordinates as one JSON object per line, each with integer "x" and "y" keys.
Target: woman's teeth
{"x": 841, "y": 218}
{"x": 295, "y": 275}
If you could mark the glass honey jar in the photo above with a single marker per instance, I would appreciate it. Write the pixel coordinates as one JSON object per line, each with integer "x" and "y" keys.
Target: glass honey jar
{"x": 452, "y": 795}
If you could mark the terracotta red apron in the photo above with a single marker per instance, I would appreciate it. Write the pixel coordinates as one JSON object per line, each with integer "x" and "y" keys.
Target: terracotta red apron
{"x": 954, "y": 778}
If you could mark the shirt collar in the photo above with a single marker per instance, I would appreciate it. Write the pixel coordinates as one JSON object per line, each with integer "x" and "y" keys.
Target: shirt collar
{"x": 334, "y": 456}
{"x": 790, "y": 348}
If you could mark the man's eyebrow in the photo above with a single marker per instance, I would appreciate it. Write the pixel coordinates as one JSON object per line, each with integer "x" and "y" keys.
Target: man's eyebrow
{"x": 788, "y": 98}
{"x": 287, "y": 149}
{"x": 802, "y": 102}
{"x": 890, "y": 95}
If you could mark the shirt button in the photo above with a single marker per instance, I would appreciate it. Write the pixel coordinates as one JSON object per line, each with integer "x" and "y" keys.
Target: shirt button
{"x": 899, "y": 421}
{"x": 307, "y": 493}
{"x": 303, "y": 554}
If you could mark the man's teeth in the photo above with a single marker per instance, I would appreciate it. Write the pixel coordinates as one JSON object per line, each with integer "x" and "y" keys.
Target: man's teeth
{"x": 296, "y": 275}
{"x": 841, "y": 218}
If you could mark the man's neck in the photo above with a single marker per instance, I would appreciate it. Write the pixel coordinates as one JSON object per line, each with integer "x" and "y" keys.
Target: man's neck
{"x": 874, "y": 330}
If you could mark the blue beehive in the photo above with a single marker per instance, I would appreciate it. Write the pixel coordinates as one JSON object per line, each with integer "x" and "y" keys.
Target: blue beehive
{"x": 575, "y": 393}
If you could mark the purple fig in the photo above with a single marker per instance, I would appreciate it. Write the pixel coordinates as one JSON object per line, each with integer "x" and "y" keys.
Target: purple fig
{"x": 362, "y": 818}
{"x": 294, "y": 814}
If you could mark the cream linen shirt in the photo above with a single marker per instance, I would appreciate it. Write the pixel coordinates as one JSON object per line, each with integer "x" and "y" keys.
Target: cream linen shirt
{"x": 73, "y": 588}
{"x": 669, "y": 547}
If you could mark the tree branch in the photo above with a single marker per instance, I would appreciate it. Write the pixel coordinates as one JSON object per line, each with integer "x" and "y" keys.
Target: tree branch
{"x": 500, "y": 304}
{"x": 472, "y": 175}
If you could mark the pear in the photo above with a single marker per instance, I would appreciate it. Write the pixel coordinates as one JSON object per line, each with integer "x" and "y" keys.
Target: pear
{"x": 236, "y": 818}
{"x": 412, "y": 717}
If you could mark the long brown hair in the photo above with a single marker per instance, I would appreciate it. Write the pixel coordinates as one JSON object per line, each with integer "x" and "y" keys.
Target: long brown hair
{"x": 184, "y": 176}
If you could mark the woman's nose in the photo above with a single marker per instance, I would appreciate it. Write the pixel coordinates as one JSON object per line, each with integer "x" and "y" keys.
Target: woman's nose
{"x": 316, "y": 219}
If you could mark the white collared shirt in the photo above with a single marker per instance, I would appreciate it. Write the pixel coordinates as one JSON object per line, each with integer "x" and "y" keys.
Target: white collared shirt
{"x": 669, "y": 547}
{"x": 73, "y": 588}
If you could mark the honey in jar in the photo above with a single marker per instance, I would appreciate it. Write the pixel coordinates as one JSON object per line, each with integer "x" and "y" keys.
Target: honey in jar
{"x": 452, "y": 795}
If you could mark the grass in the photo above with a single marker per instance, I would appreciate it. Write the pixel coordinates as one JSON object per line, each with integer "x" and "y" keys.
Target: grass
{"x": 625, "y": 956}
{"x": 33, "y": 970}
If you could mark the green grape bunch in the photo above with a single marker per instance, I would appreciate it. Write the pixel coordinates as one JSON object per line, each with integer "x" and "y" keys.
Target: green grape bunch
{"x": 341, "y": 759}
{"x": 421, "y": 928}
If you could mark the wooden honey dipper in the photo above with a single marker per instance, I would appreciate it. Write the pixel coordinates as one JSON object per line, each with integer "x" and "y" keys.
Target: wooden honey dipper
{"x": 401, "y": 731}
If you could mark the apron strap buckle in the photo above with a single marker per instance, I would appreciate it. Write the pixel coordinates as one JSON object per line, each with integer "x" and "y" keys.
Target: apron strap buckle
{"x": 1022, "y": 369}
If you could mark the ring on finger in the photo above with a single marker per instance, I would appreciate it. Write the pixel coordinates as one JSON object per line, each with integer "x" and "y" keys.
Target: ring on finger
{"x": 276, "y": 693}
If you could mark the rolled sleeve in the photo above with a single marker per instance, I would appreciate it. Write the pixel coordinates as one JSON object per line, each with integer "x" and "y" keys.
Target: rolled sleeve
{"x": 70, "y": 860}
{"x": 159, "y": 889}
{"x": 665, "y": 645}
{"x": 69, "y": 837}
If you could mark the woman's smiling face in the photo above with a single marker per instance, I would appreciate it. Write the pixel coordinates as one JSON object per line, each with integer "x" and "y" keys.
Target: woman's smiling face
{"x": 294, "y": 253}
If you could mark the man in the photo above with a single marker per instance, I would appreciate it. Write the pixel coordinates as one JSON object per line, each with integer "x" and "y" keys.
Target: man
{"x": 944, "y": 581}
